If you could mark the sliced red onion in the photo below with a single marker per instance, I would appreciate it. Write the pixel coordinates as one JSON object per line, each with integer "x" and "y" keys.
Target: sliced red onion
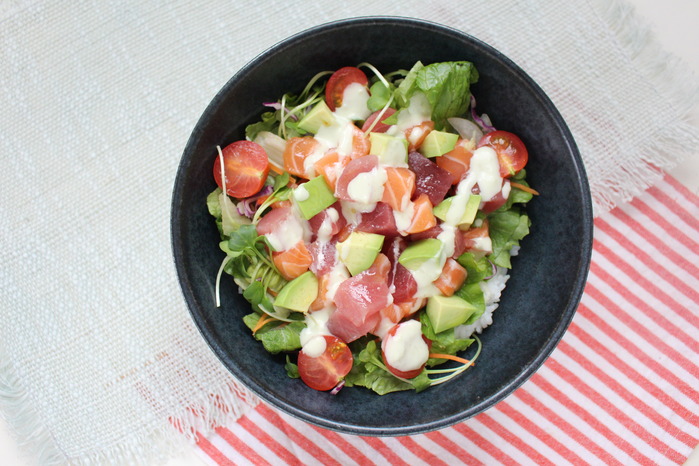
{"x": 278, "y": 106}
{"x": 494, "y": 270}
{"x": 466, "y": 128}
{"x": 337, "y": 388}
{"x": 483, "y": 122}
{"x": 245, "y": 205}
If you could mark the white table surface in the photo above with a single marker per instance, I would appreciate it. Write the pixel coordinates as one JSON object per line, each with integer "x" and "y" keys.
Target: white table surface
{"x": 676, "y": 26}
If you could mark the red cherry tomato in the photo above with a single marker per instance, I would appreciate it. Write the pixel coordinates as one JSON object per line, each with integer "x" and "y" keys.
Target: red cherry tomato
{"x": 379, "y": 127}
{"x": 246, "y": 166}
{"x": 512, "y": 153}
{"x": 327, "y": 370}
{"x": 394, "y": 371}
{"x": 339, "y": 81}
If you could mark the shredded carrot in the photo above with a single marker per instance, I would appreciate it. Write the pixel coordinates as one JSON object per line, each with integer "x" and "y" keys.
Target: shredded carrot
{"x": 275, "y": 169}
{"x": 449, "y": 356}
{"x": 264, "y": 318}
{"x": 524, "y": 188}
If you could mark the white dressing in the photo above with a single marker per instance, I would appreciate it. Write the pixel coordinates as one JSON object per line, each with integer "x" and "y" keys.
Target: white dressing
{"x": 315, "y": 346}
{"x": 313, "y": 157}
{"x": 290, "y": 231}
{"x": 404, "y": 217}
{"x": 367, "y": 187}
{"x": 301, "y": 193}
{"x": 338, "y": 136}
{"x": 326, "y": 227}
{"x": 354, "y": 99}
{"x": 405, "y": 350}
{"x": 316, "y": 325}
{"x": 418, "y": 110}
{"x": 484, "y": 171}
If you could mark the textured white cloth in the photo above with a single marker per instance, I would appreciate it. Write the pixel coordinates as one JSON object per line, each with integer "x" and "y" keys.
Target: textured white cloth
{"x": 99, "y": 359}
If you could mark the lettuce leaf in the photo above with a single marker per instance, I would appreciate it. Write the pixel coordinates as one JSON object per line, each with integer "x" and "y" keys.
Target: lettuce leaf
{"x": 507, "y": 228}
{"x": 446, "y": 86}
{"x": 443, "y": 342}
{"x": 277, "y": 336}
{"x": 369, "y": 371}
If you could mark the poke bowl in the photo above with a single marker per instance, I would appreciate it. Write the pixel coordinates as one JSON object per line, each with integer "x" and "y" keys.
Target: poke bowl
{"x": 549, "y": 265}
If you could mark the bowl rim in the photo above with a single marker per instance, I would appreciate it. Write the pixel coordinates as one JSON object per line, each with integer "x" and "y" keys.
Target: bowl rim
{"x": 567, "y": 313}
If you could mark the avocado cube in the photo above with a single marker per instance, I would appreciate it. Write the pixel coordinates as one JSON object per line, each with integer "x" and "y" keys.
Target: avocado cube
{"x": 320, "y": 115}
{"x": 391, "y": 150}
{"x": 438, "y": 143}
{"x": 299, "y": 293}
{"x": 359, "y": 251}
{"x": 313, "y": 197}
{"x": 420, "y": 252}
{"x": 469, "y": 212}
{"x": 448, "y": 312}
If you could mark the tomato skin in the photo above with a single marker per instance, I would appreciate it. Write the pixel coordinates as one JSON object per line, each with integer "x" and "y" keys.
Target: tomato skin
{"x": 327, "y": 370}
{"x": 402, "y": 374}
{"x": 512, "y": 153}
{"x": 246, "y": 167}
{"x": 339, "y": 81}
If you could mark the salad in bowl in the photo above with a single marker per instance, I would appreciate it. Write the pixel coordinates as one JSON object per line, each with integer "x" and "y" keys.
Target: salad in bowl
{"x": 369, "y": 220}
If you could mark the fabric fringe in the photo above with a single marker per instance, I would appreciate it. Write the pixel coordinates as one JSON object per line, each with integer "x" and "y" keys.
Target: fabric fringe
{"x": 228, "y": 403}
{"x": 675, "y": 82}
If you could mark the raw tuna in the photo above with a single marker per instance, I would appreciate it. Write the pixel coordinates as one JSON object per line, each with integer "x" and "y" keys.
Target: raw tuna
{"x": 354, "y": 168}
{"x": 335, "y": 225}
{"x": 359, "y": 301}
{"x": 324, "y": 256}
{"x": 400, "y": 278}
{"x": 379, "y": 221}
{"x": 459, "y": 241}
{"x": 430, "y": 179}
{"x": 271, "y": 220}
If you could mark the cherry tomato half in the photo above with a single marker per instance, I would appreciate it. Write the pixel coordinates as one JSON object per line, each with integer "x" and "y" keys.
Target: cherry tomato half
{"x": 512, "y": 153}
{"x": 246, "y": 166}
{"x": 339, "y": 81}
{"x": 327, "y": 370}
{"x": 398, "y": 373}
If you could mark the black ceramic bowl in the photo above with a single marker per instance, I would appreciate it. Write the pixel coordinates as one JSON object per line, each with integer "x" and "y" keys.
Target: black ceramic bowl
{"x": 547, "y": 278}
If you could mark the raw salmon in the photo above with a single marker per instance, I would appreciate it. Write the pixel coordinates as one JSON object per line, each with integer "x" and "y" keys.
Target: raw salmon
{"x": 292, "y": 262}
{"x": 295, "y": 153}
{"x": 416, "y": 134}
{"x": 453, "y": 276}
{"x": 423, "y": 218}
{"x": 399, "y": 187}
{"x": 457, "y": 161}
{"x": 330, "y": 166}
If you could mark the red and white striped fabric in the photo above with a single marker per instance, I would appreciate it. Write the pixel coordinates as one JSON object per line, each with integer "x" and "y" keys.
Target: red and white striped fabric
{"x": 622, "y": 387}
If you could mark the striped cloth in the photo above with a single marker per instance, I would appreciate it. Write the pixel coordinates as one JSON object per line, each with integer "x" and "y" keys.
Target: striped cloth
{"x": 622, "y": 387}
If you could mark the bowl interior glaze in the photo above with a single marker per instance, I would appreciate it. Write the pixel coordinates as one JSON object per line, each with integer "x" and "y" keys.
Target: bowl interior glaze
{"x": 547, "y": 278}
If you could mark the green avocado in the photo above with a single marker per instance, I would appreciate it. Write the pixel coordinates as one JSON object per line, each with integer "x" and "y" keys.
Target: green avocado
{"x": 313, "y": 197}
{"x": 359, "y": 250}
{"x": 320, "y": 115}
{"x": 448, "y": 312}
{"x": 391, "y": 150}
{"x": 470, "y": 210}
{"x": 438, "y": 143}
{"x": 299, "y": 293}
{"x": 419, "y": 252}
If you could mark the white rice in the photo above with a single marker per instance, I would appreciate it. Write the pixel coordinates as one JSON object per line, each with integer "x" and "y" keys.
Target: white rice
{"x": 492, "y": 289}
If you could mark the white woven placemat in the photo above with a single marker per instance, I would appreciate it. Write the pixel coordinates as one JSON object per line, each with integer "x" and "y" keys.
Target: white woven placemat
{"x": 99, "y": 358}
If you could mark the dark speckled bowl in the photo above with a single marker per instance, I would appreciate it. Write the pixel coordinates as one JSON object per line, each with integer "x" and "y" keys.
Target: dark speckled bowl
{"x": 547, "y": 278}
